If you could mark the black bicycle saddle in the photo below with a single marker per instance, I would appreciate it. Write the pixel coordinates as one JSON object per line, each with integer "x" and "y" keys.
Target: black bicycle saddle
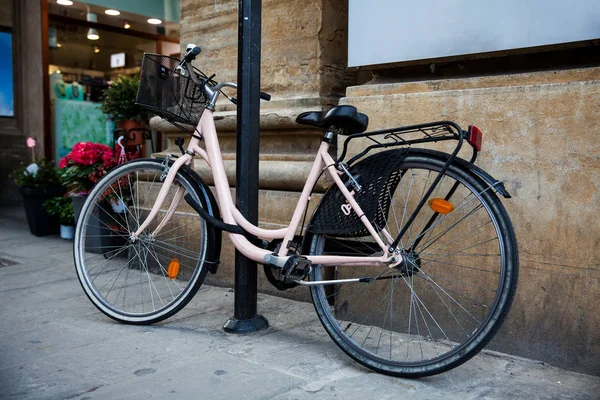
{"x": 346, "y": 118}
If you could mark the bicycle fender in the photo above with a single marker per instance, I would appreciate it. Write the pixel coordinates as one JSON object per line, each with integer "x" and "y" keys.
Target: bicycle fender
{"x": 497, "y": 185}
{"x": 209, "y": 203}
{"x": 212, "y": 206}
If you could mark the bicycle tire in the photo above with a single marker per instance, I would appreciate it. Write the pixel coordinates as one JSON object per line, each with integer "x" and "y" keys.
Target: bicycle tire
{"x": 343, "y": 318}
{"x": 147, "y": 259}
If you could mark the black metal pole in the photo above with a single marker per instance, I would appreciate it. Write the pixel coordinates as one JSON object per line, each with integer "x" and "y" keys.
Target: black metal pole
{"x": 245, "y": 318}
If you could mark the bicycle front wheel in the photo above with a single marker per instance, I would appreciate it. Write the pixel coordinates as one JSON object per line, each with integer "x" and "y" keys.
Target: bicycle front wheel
{"x": 149, "y": 279}
{"x": 447, "y": 299}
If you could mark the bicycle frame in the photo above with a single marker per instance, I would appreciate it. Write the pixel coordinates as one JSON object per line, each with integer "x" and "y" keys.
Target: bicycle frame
{"x": 230, "y": 214}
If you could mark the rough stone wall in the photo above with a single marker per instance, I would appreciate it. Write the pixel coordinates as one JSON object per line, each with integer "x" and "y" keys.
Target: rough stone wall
{"x": 303, "y": 47}
{"x": 540, "y": 136}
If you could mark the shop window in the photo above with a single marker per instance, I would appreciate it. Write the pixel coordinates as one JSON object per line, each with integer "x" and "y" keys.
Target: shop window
{"x": 7, "y": 108}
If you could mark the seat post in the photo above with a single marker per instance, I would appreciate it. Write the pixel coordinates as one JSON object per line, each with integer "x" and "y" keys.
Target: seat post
{"x": 328, "y": 136}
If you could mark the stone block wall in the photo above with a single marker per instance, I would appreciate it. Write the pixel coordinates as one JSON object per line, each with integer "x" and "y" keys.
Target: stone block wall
{"x": 303, "y": 48}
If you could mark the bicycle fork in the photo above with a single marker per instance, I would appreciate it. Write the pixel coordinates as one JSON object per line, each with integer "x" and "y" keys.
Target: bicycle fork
{"x": 177, "y": 198}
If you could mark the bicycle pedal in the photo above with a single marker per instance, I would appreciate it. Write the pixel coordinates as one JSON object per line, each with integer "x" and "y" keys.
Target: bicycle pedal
{"x": 296, "y": 268}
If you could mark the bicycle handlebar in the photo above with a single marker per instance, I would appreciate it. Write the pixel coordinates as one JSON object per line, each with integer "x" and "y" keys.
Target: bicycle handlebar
{"x": 211, "y": 92}
{"x": 191, "y": 53}
{"x": 263, "y": 95}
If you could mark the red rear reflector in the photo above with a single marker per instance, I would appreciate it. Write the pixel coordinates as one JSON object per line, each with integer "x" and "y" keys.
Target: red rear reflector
{"x": 474, "y": 137}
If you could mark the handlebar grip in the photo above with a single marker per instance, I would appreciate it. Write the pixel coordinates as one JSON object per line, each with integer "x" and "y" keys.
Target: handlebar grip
{"x": 264, "y": 96}
{"x": 190, "y": 55}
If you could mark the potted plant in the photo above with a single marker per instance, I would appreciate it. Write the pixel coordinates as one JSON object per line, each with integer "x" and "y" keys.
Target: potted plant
{"x": 62, "y": 207}
{"x": 38, "y": 182}
{"x": 82, "y": 168}
{"x": 119, "y": 103}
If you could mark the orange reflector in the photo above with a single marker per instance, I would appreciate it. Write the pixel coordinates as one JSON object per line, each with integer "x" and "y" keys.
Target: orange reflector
{"x": 441, "y": 206}
{"x": 173, "y": 268}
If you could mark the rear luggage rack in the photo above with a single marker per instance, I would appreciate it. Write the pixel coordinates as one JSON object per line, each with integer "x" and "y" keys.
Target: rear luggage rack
{"x": 406, "y": 136}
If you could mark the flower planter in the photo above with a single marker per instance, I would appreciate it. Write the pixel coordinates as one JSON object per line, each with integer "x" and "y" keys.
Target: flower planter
{"x": 67, "y": 232}
{"x": 78, "y": 202}
{"x": 40, "y": 223}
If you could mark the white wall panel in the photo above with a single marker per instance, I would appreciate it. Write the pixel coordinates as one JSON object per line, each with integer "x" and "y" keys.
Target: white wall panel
{"x": 386, "y": 31}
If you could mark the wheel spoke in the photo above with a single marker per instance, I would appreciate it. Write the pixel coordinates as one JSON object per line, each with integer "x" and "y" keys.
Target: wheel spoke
{"x": 443, "y": 219}
{"x": 438, "y": 261}
{"x": 164, "y": 272}
{"x": 432, "y": 241}
{"x": 451, "y": 298}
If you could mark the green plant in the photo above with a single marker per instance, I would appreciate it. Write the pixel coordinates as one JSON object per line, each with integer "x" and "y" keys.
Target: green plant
{"x": 61, "y": 207}
{"x": 46, "y": 176}
{"x": 119, "y": 100}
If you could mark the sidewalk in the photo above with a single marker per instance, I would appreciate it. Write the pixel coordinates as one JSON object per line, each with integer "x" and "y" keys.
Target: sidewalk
{"x": 54, "y": 344}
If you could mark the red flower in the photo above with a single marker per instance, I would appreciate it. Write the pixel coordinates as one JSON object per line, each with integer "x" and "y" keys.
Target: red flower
{"x": 64, "y": 161}
{"x": 93, "y": 160}
{"x": 85, "y": 153}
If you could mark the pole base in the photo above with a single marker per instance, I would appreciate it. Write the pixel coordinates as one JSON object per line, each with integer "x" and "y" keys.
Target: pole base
{"x": 258, "y": 323}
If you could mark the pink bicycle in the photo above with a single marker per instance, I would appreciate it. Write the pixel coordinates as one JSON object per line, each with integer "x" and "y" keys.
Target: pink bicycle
{"x": 410, "y": 257}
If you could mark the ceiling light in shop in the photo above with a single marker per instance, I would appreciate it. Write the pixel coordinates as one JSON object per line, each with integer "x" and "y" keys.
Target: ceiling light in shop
{"x": 92, "y": 33}
{"x": 96, "y": 49}
{"x": 112, "y": 12}
{"x": 127, "y": 25}
{"x": 58, "y": 45}
{"x": 65, "y": 2}
{"x": 154, "y": 21}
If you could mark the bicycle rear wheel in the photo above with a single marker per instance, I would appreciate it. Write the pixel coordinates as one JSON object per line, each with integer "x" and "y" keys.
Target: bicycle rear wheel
{"x": 449, "y": 297}
{"x": 149, "y": 279}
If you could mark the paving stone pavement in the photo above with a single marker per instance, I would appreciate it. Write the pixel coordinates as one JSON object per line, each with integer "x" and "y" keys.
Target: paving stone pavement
{"x": 55, "y": 345}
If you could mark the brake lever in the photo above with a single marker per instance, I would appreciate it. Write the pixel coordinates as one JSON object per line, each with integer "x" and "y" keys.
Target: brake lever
{"x": 180, "y": 70}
